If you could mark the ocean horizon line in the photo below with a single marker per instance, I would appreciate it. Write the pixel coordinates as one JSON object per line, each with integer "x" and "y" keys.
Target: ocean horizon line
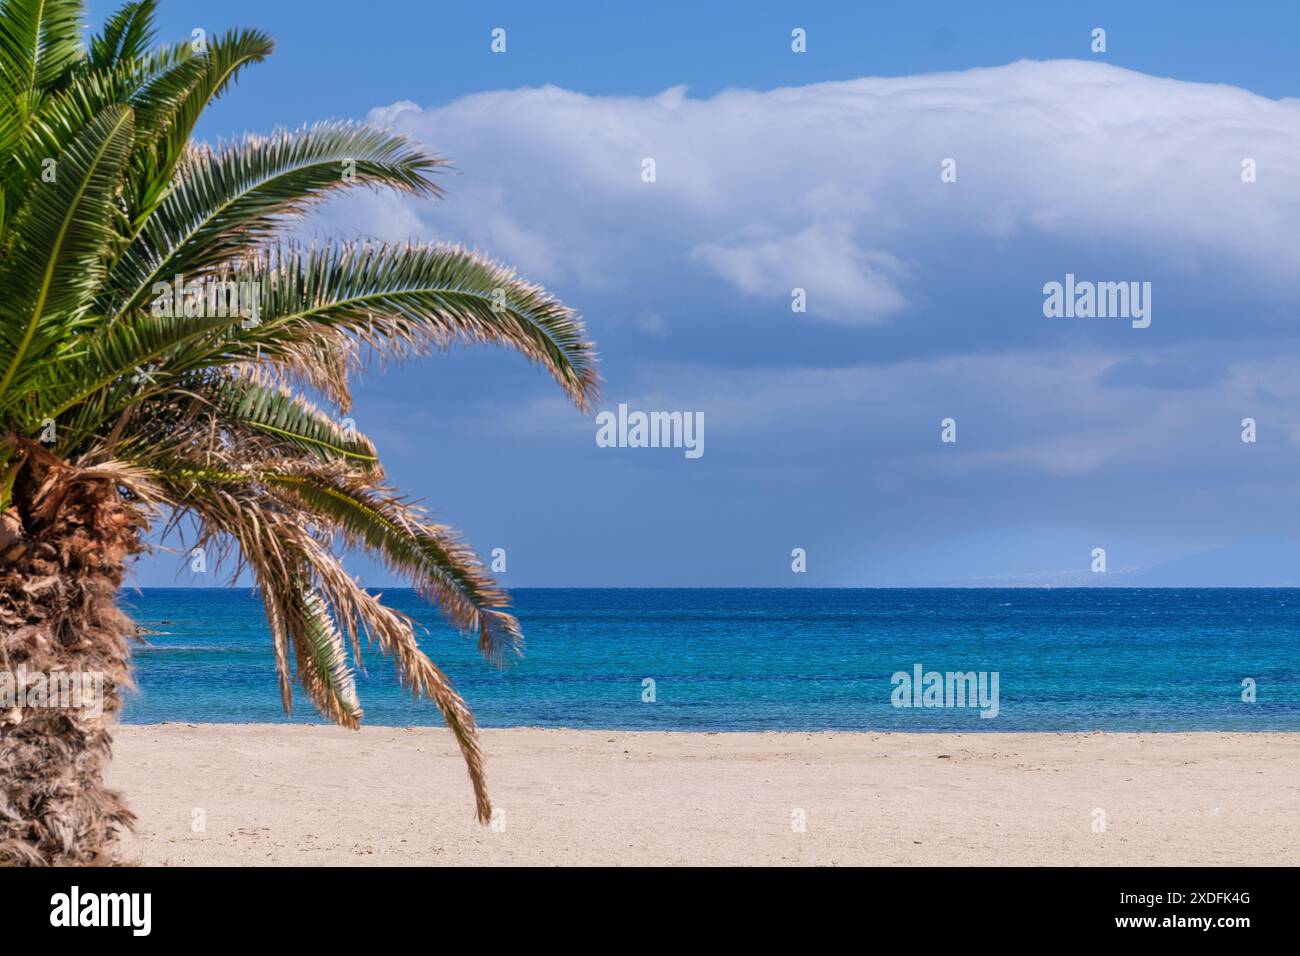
{"x": 756, "y": 587}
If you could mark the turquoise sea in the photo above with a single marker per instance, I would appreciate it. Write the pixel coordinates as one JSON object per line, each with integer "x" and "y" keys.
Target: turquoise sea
{"x": 741, "y": 659}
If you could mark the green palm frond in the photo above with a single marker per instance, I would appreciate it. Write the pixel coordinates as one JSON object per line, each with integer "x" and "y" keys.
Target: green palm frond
{"x": 55, "y": 263}
{"x": 144, "y": 84}
{"x": 226, "y": 57}
{"x": 304, "y": 429}
{"x": 40, "y": 42}
{"x": 127, "y": 36}
{"x": 110, "y": 367}
{"x": 186, "y": 92}
{"x": 224, "y": 202}
{"x": 317, "y": 305}
{"x": 407, "y": 300}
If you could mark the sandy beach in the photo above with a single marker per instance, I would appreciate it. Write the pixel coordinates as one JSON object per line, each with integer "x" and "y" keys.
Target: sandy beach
{"x": 321, "y": 795}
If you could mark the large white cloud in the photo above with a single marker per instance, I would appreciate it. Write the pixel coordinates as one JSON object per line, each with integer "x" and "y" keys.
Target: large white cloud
{"x": 836, "y": 188}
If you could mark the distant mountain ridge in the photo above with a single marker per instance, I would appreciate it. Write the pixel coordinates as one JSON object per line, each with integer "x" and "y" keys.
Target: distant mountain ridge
{"x": 1256, "y": 561}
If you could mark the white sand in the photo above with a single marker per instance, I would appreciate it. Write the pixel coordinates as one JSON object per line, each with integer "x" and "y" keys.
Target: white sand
{"x": 316, "y": 795}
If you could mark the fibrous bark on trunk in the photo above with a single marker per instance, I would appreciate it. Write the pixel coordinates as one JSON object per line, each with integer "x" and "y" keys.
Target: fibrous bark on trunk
{"x": 64, "y": 542}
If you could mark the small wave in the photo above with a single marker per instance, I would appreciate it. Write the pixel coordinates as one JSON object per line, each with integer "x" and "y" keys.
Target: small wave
{"x": 191, "y": 649}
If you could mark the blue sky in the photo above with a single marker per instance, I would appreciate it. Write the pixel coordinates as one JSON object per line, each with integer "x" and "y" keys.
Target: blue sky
{"x": 821, "y": 171}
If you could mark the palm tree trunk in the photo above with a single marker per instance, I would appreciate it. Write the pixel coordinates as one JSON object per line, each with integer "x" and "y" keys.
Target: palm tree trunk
{"x": 64, "y": 649}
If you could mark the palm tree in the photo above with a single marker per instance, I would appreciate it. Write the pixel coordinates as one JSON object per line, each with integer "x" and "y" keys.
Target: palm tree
{"x": 121, "y": 402}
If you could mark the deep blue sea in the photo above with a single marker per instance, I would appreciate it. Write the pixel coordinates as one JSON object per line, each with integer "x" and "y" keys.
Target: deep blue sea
{"x": 1066, "y": 659}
